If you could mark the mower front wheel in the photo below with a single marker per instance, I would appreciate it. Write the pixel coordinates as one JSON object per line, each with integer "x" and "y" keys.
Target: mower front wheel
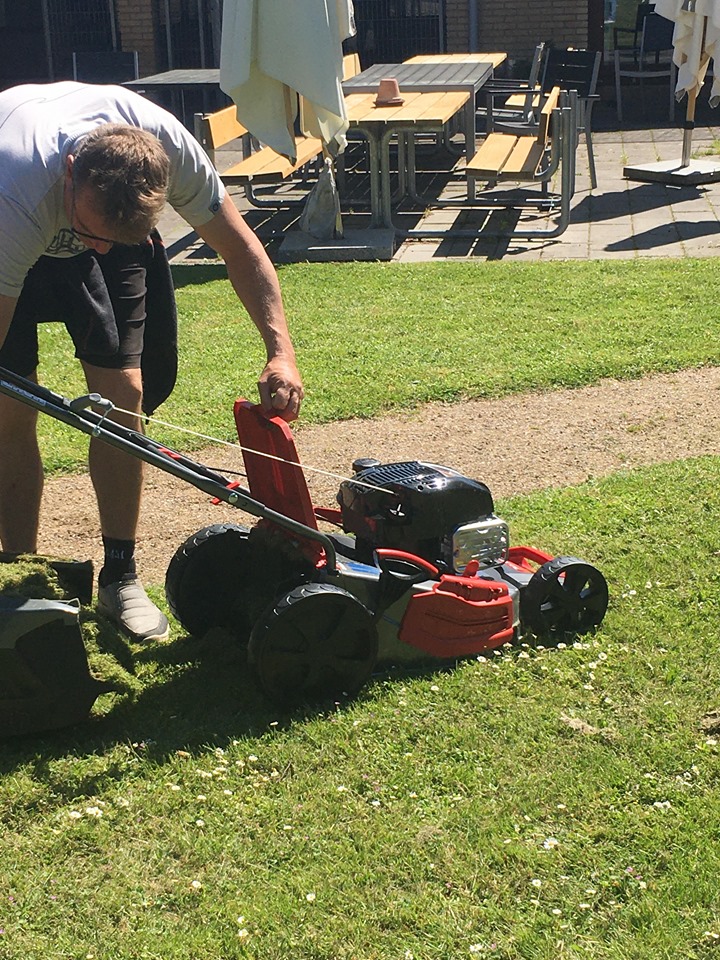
{"x": 564, "y": 596}
{"x": 317, "y": 643}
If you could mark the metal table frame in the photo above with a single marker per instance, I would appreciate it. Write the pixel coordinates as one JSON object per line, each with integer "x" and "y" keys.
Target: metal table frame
{"x": 425, "y": 111}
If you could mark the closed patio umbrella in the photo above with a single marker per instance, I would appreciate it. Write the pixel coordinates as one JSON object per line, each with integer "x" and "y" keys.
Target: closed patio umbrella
{"x": 696, "y": 41}
{"x": 273, "y": 50}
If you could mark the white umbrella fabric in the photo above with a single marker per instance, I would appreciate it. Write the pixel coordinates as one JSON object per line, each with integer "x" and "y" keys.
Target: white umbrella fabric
{"x": 272, "y": 50}
{"x": 696, "y": 41}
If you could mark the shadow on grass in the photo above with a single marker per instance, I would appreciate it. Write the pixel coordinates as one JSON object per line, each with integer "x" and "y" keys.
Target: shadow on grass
{"x": 194, "y": 274}
{"x": 204, "y": 695}
{"x": 197, "y": 694}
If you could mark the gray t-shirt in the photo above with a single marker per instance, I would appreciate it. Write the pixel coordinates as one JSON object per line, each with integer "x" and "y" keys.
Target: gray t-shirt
{"x": 39, "y": 126}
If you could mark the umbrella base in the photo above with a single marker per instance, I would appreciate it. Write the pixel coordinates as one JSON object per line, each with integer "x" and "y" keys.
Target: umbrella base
{"x": 371, "y": 244}
{"x": 673, "y": 172}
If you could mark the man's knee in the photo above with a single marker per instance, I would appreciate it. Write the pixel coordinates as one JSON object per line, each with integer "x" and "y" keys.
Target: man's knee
{"x": 121, "y": 387}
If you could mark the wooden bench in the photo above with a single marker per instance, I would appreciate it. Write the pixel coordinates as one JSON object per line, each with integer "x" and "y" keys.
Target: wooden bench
{"x": 512, "y": 156}
{"x": 533, "y": 158}
{"x": 262, "y": 166}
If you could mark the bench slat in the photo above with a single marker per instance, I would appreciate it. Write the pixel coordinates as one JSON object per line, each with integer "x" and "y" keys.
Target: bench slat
{"x": 492, "y": 155}
{"x": 524, "y": 160}
{"x": 267, "y": 166}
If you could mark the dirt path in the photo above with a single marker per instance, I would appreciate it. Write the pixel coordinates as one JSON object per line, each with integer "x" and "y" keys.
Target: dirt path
{"x": 514, "y": 445}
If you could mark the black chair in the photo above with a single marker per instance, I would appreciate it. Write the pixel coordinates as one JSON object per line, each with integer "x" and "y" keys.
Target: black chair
{"x": 576, "y": 70}
{"x": 516, "y": 99}
{"x": 648, "y": 59}
{"x": 105, "y": 66}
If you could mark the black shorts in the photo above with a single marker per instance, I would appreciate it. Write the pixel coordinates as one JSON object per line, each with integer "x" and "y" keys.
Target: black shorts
{"x": 99, "y": 298}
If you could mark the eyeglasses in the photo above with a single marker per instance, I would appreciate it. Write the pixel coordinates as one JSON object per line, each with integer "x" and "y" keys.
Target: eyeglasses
{"x": 82, "y": 234}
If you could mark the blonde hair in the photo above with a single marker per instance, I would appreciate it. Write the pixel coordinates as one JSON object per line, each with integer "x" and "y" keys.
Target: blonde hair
{"x": 127, "y": 169}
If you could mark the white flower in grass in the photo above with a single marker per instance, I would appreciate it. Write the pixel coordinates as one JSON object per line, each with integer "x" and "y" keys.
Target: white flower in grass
{"x": 556, "y": 912}
{"x": 74, "y": 814}
{"x": 310, "y": 897}
{"x": 550, "y": 843}
{"x": 174, "y": 787}
{"x": 583, "y": 906}
{"x": 196, "y": 885}
{"x": 201, "y": 796}
{"x": 243, "y": 932}
{"x": 435, "y": 688}
{"x": 536, "y": 883}
{"x": 199, "y": 822}
{"x": 94, "y": 812}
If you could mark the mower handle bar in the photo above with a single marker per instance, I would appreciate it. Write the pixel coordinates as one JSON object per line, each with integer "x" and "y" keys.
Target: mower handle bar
{"x": 75, "y": 413}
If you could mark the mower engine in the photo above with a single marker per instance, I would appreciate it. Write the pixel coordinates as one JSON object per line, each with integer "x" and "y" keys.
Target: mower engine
{"x": 423, "y": 509}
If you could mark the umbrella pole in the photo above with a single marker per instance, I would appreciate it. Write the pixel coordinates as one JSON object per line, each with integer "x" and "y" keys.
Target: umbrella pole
{"x": 688, "y": 127}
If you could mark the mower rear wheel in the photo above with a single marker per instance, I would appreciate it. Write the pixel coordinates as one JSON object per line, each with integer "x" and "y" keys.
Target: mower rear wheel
{"x": 317, "y": 643}
{"x": 203, "y": 580}
{"x": 564, "y": 596}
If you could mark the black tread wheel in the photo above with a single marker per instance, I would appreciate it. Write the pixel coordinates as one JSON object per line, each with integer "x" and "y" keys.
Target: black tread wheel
{"x": 564, "y": 596}
{"x": 317, "y": 643}
{"x": 204, "y": 577}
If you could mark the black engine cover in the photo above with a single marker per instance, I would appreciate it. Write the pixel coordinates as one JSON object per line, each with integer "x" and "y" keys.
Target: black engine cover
{"x": 410, "y": 506}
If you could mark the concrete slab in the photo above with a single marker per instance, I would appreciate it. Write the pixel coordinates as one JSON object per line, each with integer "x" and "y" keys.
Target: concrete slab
{"x": 375, "y": 244}
{"x": 673, "y": 172}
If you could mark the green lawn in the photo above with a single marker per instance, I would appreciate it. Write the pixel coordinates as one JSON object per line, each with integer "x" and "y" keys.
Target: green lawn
{"x": 376, "y": 337}
{"x": 535, "y": 804}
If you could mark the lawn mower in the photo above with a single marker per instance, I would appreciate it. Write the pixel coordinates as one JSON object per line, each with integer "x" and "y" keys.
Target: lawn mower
{"x": 417, "y": 566}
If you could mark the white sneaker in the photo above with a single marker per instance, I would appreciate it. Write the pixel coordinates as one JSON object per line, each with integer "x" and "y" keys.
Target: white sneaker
{"x": 126, "y": 602}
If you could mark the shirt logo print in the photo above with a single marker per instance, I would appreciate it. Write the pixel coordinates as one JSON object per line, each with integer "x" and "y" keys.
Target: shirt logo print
{"x": 65, "y": 242}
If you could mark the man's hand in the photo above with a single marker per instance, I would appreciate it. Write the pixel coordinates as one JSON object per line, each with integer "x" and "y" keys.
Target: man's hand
{"x": 281, "y": 389}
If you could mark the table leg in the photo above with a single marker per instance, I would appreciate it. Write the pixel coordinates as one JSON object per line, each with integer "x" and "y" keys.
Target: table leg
{"x": 385, "y": 177}
{"x": 470, "y": 142}
{"x": 374, "y": 163}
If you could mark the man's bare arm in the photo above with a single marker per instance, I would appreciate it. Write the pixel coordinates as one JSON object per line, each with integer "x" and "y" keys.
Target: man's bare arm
{"x": 254, "y": 280}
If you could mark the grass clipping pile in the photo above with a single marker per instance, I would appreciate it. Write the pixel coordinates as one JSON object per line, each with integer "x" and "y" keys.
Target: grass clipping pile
{"x": 28, "y": 679}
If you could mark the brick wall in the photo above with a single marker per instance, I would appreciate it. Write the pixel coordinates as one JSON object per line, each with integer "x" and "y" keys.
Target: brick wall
{"x": 516, "y": 26}
{"x": 138, "y": 28}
